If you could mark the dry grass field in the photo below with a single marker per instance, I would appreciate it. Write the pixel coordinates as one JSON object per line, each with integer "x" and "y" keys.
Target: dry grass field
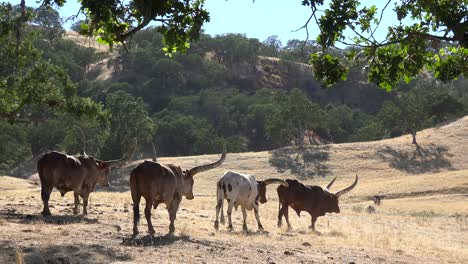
{"x": 423, "y": 217}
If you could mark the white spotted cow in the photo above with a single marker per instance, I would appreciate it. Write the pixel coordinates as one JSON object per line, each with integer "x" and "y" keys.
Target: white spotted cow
{"x": 244, "y": 190}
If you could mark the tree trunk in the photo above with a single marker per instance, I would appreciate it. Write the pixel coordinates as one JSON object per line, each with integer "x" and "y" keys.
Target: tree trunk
{"x": 414, "y": 138}
{"x": 155, "y": 156}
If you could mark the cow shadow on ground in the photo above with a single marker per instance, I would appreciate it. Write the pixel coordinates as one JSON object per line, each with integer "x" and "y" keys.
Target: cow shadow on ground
{"x": 431, "y": 158}
{"x": 21, "y": 218}
{"x": 303, "y": 162}
{"x": 76, "y": 253}
{"x": 158, "y": 241}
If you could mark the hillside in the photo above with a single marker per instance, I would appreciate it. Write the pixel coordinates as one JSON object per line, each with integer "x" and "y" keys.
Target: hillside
{"x": 423, "y": 218}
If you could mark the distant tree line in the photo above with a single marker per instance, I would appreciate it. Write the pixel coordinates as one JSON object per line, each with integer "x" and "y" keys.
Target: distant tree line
{"x": 190, "y": 103}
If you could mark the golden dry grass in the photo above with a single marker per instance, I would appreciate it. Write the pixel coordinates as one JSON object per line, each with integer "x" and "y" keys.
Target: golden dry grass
{"x": 423, "y": 218}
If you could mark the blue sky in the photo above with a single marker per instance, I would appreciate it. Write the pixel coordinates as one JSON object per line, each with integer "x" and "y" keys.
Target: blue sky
{"x": 257, "y": 20}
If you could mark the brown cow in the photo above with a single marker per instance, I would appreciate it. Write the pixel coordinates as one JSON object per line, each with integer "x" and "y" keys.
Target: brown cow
{"x": 312, "y": 199}
{"x": 66, "y": 173}
{"x": 159, "y": 183}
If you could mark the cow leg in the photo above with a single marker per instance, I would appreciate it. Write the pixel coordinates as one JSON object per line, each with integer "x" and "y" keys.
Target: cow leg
{"x": 229, "y": 212}
{"x": 257, "y": 216}
{"x": 219, "y": 207}
{"x": 77, "y": 203}
{"x": 280, "y": 215}
{"x": 149, "y": 204}
{"x": 45, "y": 195}
{"x": 136, "y": 212}
{"x": 286, "y": 216}
{"x": 85, "y": 203}
{"x": 222, "y": 214}
{"x": 312, "y": 223}
{"x": 172, "y": 209}
{"x": 244, "y": 215}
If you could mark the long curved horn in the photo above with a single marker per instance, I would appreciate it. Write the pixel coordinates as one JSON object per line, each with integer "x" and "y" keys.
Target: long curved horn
{"x": 83, "y": 148}
{"x": 330, "y": 184}
{"x": 275, "y": 180}
{"x": 114, "y": 162}
{"x": 338, "y": 194}
{"x": 201, "y": 168}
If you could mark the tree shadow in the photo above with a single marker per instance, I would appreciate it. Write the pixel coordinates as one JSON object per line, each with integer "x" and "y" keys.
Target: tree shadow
{"x": 303, "y": 162}
{"x": 20, "y": 218}
{"x": 158, "y": 241}
{"x": 76, "y": 253}
{"x": 420, "y": 160}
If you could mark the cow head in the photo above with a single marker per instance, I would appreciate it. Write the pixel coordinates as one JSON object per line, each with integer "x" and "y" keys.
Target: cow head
{"x": 188, "y": 185}
{"x": 188, "y": 174}
{"x": 103, "y": 175}
{"x": 261, "y": 188}
{"x": 98, "y": 168}
{"x": 330, "y": 200}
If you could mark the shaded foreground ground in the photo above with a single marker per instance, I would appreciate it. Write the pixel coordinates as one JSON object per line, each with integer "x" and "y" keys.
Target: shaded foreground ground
{"x": 423, "y": 218}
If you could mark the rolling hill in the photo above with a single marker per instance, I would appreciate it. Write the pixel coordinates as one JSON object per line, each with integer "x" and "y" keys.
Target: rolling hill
{"x": 423, "y": 217}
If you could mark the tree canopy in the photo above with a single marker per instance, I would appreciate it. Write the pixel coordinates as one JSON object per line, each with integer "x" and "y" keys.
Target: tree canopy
{"x": 436, "y": 39}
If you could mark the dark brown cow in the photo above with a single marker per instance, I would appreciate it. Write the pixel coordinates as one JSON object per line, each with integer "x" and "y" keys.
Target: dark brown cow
{"x": 312, "y": 199}
{"x": 159, "y": 183}
{"x": 66, "y": 173}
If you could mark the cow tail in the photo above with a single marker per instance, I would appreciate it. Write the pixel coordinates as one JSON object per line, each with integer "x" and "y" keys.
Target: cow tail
{"x": 136, "y": 196}
{"x": 220, "y": 198}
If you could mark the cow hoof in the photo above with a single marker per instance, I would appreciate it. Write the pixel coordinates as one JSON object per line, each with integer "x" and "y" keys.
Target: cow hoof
{"x": 216, "y": 225}
{"x": 46, "y": 213}
{"x": 260, "y": 228}
{"x": 280, "y": 224}
{"x": 230, "y": 228}
{"x": 244, "y": 227}
{"x": 171, "y": 229}
{"x": 135, "y": 234}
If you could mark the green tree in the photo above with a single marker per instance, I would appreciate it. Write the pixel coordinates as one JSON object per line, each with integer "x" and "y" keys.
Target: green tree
{"x": 409, "y": 114}
{"x": 114, "y": 21}
{"x": 14, "y": 147}
{"x": 129, "y": 120}
{"x": 408, "y": 48}
{"x": 180, "y": 134}
{"x": 294, "y": 114}
{"x": 28, "y": 82}
{"x": 49, "y": 22}
{"x": 271, "y": 46}
{"x": 406, "y": 51}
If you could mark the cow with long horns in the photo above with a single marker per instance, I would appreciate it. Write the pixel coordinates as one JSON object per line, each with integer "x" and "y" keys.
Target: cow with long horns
{"x": 312, "y": 199}
{"x": 79, "y": 174}
{"x": 159, "y": 183}
{"x": 244, "y": 190}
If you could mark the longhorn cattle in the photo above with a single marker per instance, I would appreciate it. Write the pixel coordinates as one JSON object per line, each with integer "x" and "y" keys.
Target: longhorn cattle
{"x": 244, "y": 190}
{"x": 159, "y": 183}
{"x": 312, "y": 199}
{"x": 66, "y": 173}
